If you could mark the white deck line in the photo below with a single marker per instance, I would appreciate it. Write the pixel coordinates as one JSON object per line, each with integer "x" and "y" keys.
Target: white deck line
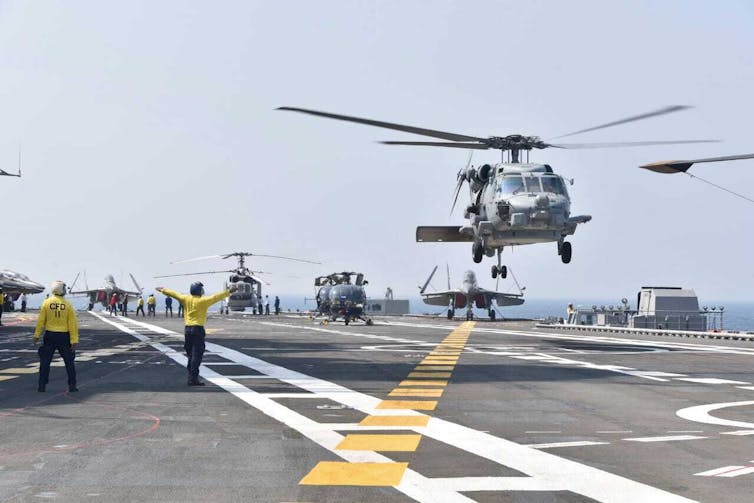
{"x": 551, "y": 472}
{"x": 552, "y": 445}
{"x": 668, "y": 438}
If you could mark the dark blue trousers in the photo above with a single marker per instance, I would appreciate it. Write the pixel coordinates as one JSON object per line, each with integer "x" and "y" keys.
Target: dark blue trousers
{"x": 194, "y": 346}
{"x": 60, "y": 342}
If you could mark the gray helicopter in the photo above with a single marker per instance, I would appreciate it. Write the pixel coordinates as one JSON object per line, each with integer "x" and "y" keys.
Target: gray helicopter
{"x": 338, "y": 297}
{"x": 248, "y": 283}
{"x": 515, "y": 203}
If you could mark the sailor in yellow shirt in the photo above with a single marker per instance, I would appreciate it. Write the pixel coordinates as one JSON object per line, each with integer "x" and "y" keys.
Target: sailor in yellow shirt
{"x": 195, "y": 306}
{"x": 140, "y": 306}
{"x": 57, "y": 319}
{"x": 151, "y": 305}
{"x": 2, "y": 305}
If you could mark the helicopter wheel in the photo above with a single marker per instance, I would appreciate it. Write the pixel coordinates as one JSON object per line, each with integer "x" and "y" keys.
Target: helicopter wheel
{"x": 369, "y": 322}
{"x": 450, "y": 314}
{"x": 494, "y": 271}
{"x": 503, "y": 271}
{"x": 346, "y": 320}
{"x": 492, "y": 314}
{"x": 469, "y": 315}
{"x": 565, "y": 252}
{"x": 478, "y": 252}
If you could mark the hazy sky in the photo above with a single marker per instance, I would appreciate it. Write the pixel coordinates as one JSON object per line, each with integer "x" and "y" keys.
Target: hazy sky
{"x": 149, "y": 135}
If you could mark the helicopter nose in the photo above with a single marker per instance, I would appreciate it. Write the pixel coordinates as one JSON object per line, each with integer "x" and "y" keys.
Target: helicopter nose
{"x": 542, "y": 201}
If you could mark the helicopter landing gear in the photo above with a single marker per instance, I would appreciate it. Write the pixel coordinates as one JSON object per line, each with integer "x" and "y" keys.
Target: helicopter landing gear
{"x": 499, "y": 269}
{"x": 477, "y": 250}
{"x": 369, "y": 322}
{"x": 565, "y": 250}
{"x": 451, "y": 313}
{"x": 492, "y": 314}
{"x": 346, "y": 320}
{"x": 469, "y": 315}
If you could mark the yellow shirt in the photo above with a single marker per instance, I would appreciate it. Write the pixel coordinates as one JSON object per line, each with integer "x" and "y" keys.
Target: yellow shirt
{"x": 151, "y": 300}
{"x": 57, "y": 315}
{"x": 194, "y": 306}
{"x": 140, "y": 302}
{"x": 2, "y": 300}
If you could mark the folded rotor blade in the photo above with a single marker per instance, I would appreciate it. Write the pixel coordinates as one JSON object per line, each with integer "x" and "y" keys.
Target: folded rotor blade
{"x": 683, "y": 166}
{"x": 193, "y": 274}
{"x": 477, "y": 146}
{"x": 626, "y": 144}
{"x": 426, "y": 283}
{"x": 389, "y": 125}
{"x": 133, "y": 280}
{"x": 258, "y": 280}
{"x": 655, "y": 113}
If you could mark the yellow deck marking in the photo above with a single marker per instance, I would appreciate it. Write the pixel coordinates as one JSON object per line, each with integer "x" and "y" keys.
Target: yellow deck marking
{"x": 408, "y": 382}
{"x": 378, "y": 443}
{"x": 5, "y": 378}
{"x": 341, "y": 473}
{"x": 420, "y": 368}
{"x": 19, "y": 370}
{"x": 408, "y": 404}
{"x": 394, "y": 421}
{"x": 438, "y": 362}
{"x": 429, "y": 374}
{"x": 426, "y": 393}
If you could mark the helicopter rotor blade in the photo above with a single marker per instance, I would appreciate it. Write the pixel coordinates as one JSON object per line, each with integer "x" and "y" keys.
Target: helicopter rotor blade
{"x": 193, "y": 274}
{"x": 195, "y": 259}
{"x": 683, "y": 166}
{"x": 388, "y": 125}
{"x": 476, "y": 146}
{"x": 647, "y": 115}
{"x": 621, "y": 144}
{"x": 286, "y": 258}
{"x": 259, "y": 280}
{"x": 133, "y": 280}
{"x": 461, "y": 178}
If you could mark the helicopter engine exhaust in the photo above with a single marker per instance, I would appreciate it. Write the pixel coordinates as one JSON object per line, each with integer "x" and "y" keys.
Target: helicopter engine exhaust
{"x": 477, "y": 178}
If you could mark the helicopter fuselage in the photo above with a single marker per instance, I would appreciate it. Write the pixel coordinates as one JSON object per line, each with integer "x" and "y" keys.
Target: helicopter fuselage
{"x": 518, "y": 204}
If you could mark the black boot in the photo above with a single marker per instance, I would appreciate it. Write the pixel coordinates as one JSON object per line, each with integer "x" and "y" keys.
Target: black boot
{"x": 195, "y": 382}
{"x": 72, "y": 388}
{"x": 41, "y": 388}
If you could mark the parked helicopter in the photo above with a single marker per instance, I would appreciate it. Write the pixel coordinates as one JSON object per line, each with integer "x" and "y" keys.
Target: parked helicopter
{"x": 469, "y": 295}
{"x": 337, "y": 296}
{"x": 249, "y": 285}
{"x": 515, "y": 203}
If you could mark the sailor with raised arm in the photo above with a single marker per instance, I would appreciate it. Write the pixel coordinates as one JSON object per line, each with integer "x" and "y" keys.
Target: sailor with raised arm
{"x": 195, "y": 306}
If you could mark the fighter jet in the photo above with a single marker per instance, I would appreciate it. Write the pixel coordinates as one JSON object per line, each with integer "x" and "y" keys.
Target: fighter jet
{"x": 103, "y": 294}
{"x": 18, "y": 175}
{"x": 469, "y": 294}
{"x": 14, "y": 284}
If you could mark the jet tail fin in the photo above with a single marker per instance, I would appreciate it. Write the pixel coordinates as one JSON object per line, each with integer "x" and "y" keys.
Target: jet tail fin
{"x": 138, "y": 288}
{"x": 426, "y": 283}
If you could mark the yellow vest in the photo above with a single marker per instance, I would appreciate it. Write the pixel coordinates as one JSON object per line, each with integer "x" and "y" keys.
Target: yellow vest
{"x": 57, "y": 315}
{"x": 194, "y": 306}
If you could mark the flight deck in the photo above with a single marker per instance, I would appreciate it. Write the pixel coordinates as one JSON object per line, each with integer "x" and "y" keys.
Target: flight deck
{"x": 410, "y": 409}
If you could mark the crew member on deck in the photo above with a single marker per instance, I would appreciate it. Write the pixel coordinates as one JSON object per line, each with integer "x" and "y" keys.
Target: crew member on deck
{"x": 151, "y": 305}
{"x": 195, "y": 307}
{"x": 57, "y": 319}
{"x": 140, "y": 306}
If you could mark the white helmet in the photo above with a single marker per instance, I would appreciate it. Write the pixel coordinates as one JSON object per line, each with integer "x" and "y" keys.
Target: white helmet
{"x": 58, "y": 288}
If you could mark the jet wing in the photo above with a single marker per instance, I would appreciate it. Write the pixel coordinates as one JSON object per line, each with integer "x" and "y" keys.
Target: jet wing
{"x": 458, "y": 298}
{"x": 444, "y": 233}
{"x": 503, "y": 299}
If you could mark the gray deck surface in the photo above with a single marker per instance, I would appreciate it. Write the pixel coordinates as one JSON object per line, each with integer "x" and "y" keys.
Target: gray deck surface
{"x": 527, "y": 415}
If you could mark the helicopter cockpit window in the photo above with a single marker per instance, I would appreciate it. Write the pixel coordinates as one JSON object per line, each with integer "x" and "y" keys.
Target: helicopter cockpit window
{"x": 532, "y": 184}
{"x": 553, "y": 184}
{"x": 511, "y": 185}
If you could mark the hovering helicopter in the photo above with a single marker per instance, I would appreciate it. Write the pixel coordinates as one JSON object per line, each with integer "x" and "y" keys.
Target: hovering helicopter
{"x": 337, "y": 296}
{"x": 515, "y": 203}
{"x": 249, "y": 285}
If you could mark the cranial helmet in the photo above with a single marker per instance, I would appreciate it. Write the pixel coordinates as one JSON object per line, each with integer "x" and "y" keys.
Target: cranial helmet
{"x": 58, "y": 288}
{"x": 197, "y": 288}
